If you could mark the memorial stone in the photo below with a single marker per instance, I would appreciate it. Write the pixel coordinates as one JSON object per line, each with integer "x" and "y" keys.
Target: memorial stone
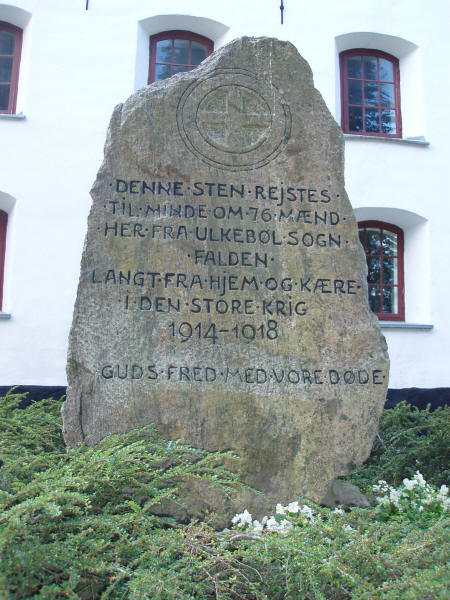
{"x": 223, "y": 292}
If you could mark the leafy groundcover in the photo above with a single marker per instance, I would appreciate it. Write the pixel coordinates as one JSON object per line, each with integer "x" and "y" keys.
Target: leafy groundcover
{"x": 79, "y": 524}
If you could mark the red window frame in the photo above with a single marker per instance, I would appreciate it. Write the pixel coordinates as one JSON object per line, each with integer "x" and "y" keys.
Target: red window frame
{"x": 345, "y": 105}
{"x": 176, "y": 35}
{"x": 14, "y": 81}
{"x": 3, "y": 226}
{"x": 363, "y": 226}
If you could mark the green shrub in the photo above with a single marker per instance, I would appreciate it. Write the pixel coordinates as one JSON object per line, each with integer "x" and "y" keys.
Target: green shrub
{"x": 79, "y": 525}
{"x": 408, "y": 440}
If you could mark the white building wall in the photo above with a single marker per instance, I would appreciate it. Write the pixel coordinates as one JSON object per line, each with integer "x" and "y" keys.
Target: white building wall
{"x": 77, "y": 64}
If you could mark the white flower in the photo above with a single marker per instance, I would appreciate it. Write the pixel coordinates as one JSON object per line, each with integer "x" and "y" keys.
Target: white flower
{"x": 283, "y": 527}
{"x": 338, "y": 511}
{"x": 307, "y": 512}
{"x": 409, "y": 483}
{"x": 348, "y": 527}
{"x": 264, "y": 520}
{"x": 293, "y": 507}
{"x": 272, "y": 524}
{"x": 419, "y": 478}
{"x": 443, "y": 491}
{"x": 242, "y": 519}
{"x": 280, "y": 510}
{"x": 257, "y": 526}
{"x": 381, "y": 487}
{"x": 382, "y": 499}
{"x": 394, "y": 496}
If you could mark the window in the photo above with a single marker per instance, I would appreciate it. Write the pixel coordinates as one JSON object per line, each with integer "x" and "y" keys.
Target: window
{"x": 176, "y": 51}
{"x": 383, "y": 246}
{"x": 3, "y": 224}
{"x": 10, "y": 49}
{"x": 370, "y": 93}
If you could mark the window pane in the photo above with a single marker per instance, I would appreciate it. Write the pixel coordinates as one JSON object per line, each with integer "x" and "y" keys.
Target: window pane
{"x": 388, "y": 121}
{"x": 4, "y": 97}
{"x": 164, "y": 51}
{"x": 355, "y": 118}
{"x": 372, "y": 124}
{"x": 370, "y": 67}
{"x": 361, "y": 237}
{"x": 374, "y": 270}
{"x": 198, "y": 53}
{"x": 181, "y": 52}
{"x": 5, "y": 68}
{"x": 373, "y": 241}
{"x": 162, "y": 72}
{"x": 354, "y": 92}
{"x": 386, "y": 70}
{"x": 354, "y": 67}
{"x": 375, "y": 299}
{"x": 390, "y": 300}
{"x": 389, "y": 243}
{"x": 390, "y": 270}
{"x": 180, "y": 69}
{"x": 370, "y": 94}
{"x": 6, "y": 43}
{"x": 387, "y": 94}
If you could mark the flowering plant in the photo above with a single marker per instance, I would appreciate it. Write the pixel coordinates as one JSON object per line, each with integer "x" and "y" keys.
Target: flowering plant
{"x": 286, "y": 519}
{"x": 413, "y": 499}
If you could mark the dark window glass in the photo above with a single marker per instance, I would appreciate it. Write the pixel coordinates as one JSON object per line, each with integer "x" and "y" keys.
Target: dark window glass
{"x": 372, "y": 120}
{"x": 354, "y": 92}
{"x": 198, "y": 53}
{"x": 6, "y": 42}
{"x": 370, "y": 85}
{"x": 4, "y": 97}
{"x": 386, "y": 70}
{"x": 3, "y": 226}
{"x": 370, "y": 94}
{"x": 388, "y": 121}
{"x": 174, "y": 52}
{"x": 370, "y": 67}
{"x": 354, "y": 66}
{"x": 164, "y": 51}
{"x": 355, "y": 117}
{"x": 10, "y": 48}
{"x": 181, "y": 52}
{"x": 387, "y": 94}
{"x": 5, "y": 68}
{"x": 383, "y": 247}
{"x": 162, "y": 72}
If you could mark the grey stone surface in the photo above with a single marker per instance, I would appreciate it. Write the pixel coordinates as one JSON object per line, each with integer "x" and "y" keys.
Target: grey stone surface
{"x": 344, "y": 492}
{"x": 222, "y": 293}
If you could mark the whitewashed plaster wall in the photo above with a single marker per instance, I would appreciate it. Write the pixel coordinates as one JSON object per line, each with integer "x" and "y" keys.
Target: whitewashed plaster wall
{"x": 77, "y": 64}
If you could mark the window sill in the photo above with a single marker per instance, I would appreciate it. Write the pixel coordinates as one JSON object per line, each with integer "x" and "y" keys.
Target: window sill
{"x": 418, "y": 141}
{"x": 18, "y": 117}
{"x": 400, "y": 325}
{"x": 4, "y": 315}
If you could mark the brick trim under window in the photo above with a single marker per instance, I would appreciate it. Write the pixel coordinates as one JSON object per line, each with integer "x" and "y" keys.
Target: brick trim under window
{"x": 192, "y": 49}
{"x": 10, "y": 53}
{"x": 3, "y": 226}
{"x": 383, "y": 246}
{"x": 370, "y": 93}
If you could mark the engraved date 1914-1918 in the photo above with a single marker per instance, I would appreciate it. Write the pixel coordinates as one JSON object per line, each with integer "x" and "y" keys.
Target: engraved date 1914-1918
{"x": 213, "y": 333}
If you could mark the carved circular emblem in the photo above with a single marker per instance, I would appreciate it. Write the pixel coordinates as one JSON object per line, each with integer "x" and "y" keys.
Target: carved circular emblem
{"x": 233, "y": 120}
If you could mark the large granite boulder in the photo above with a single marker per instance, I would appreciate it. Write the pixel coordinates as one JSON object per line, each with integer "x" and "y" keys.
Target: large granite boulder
{"x": 223, "y": 291}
